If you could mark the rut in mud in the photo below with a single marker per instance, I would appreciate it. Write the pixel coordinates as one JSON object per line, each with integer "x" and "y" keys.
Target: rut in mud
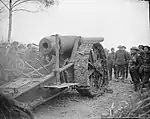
{"x": 71, "y": 105}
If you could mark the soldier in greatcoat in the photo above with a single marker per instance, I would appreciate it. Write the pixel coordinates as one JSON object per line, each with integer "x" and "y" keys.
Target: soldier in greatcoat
{"x": 120, "y": 62}
{"x": 145, "y": 68}
{"x": 135, "y": 63}
{"x": 127, "y": 62}
{"x": 110, "y": 61}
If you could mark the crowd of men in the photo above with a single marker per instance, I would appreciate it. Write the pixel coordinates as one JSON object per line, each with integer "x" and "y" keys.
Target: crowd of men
{"x": 15, "y": 56}
{"x": 21, "y": 49}
{"x": 120, "y": 63}
{"x": 15, "y": 53}
{"x": 136, "y": 63}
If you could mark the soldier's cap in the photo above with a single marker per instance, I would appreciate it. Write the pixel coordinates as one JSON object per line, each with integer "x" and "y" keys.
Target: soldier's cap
{"x": 29, "y": 45}
{"x": 124, "y": 47}
{"x": 112, "y": 48}
{"x": 134, "y": 48}
{"x": 141, "y": 46}
{"x": 120, "y": 46}
{"x": 147, "y": 47}
{"x": 15, "y": 42}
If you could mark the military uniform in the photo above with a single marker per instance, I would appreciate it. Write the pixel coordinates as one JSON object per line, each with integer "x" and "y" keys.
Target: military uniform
{"x": 120, "y": 61}
{"x": 127, "y": 65}
{"x": 145, "y": 69}
{"x": 110, "y": 60}
{"x": 141, "y": 52}
{"x": 134, "y": 64}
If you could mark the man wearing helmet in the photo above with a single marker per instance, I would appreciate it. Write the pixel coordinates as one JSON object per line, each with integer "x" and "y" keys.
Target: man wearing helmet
{"x": 126, "y": 65}
{"x": 120, "y": 61}
{"x": 145, "y": 68}
{"x": 134, "y": 64}
{"x": 110, "y": 59}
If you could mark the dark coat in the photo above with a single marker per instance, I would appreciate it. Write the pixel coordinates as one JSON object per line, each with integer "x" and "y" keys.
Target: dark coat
{"x": 135, "y": 61}
{"x": 121, "y": 57}
{"x": 111, "y": 58}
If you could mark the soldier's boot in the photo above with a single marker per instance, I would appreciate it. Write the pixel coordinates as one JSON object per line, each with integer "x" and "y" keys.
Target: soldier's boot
{"x": 110, "y": 77}
{"x": 117, "y": 79}
{"x": 122, "y": 78}
{"x": 126, "y": 75}
{"x": 141, "y": 88}
{"x": 135, "y": 87}
{"x": 147, "y": 86}
{"x": 138, "y": 87}
{"x": 115, "y": 76}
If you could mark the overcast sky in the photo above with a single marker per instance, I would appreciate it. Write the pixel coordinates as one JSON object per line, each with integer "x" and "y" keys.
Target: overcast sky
{"x": 118, "y": 21}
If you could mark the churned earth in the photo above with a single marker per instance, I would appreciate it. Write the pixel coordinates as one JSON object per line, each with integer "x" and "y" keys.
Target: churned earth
{"x": 71, "y": 105}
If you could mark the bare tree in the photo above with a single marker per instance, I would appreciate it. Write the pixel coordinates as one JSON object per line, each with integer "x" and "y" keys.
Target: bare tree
{"x": 12, "y": 6}
{"x": 1, "y": 12}
{"x": 149, "y": 8}
{"x": 1, "y": 9}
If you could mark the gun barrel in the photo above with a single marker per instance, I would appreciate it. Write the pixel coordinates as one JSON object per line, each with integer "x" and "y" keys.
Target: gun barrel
{"x": 47, "y": 44}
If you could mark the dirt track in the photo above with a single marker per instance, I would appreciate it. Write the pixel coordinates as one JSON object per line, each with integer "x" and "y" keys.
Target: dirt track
{"x": 71, "y": 105}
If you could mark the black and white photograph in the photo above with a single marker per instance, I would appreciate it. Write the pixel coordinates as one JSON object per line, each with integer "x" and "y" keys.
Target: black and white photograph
{"x": 74, "y": 59}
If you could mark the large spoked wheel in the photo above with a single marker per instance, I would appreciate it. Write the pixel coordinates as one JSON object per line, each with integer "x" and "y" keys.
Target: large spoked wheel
{"x": 92, "y": 70}
{"x": 92, "y": 85}
{"x": 89, "y": 90}
{"x": 92, "y": 75}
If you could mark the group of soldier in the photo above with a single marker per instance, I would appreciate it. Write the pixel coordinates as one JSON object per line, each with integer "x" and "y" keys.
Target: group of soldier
{"x": 136, "y": 63}
{"x": 15, "y": 56}
{"x": 18, "y": 51}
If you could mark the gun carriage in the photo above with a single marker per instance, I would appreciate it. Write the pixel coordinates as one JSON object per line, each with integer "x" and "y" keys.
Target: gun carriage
{"x": 71, "y": 63}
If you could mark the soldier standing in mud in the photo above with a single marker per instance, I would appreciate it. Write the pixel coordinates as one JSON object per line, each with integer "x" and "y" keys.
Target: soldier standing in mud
{"x": 145, "y": 68}
{"x": 110, "y": 61}
{"x": 135, "y": 63}
{"x": 141, "y": 53}
{"x": 12, "y": 54}
{"x": 120, "y": 61}
{"x": 126, "y": 65}
{"x": 28, "y": 54}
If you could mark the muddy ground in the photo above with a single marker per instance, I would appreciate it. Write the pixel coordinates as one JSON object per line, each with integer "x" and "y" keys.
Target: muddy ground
{"x": 71, "y": 105}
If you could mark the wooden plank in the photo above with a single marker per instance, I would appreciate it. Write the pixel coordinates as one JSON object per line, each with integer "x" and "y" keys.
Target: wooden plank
{"x": 42, "y": 65}
{"x": 40, "y": 81}
{"x": 48, "y": 77}
{"x": 34, "y": 69}
{"x": 57, "y": 60}
{"x": 11, "y": 70}
{"x": 65, "y": 67}
{"x": 45, "y": 100}
{"x": 63, "y": 85}
{"x": 75, "y": 48}
{"x": 49, "y": 64}
{"x": 18, "y": 83}
{"x": 37, "y": 84}
{"x": 16, "y": 70}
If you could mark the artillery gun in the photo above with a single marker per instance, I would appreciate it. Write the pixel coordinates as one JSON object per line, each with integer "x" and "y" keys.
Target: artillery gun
{"x": 73, "y": 64}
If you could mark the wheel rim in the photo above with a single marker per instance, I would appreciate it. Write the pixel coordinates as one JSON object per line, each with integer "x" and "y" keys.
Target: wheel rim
{"x": 92, "y": 85}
